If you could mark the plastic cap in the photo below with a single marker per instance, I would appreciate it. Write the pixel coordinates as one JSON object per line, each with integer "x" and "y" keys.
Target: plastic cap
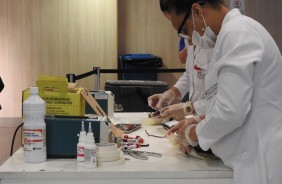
{"x": 82, "y": 127}
{"x": 90, "y": 135}
{"x": 33, "y": 90}
{"x": 89, "y": 128}
{"x": 34, "y": 103}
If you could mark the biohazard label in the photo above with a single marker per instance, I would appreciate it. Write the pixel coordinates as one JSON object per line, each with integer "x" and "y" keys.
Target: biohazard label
{"x": 34, "y": 139}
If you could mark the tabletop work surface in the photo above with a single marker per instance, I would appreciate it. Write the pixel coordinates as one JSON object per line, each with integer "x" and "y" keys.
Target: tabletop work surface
{"x": 172, "y": 164}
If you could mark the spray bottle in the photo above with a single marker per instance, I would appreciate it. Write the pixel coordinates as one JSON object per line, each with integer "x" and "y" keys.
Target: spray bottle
{"x": 81, "y": 145}
{"x": 90, "y": 150}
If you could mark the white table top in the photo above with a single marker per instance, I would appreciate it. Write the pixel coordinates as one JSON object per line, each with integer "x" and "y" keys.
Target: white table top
{"x": 172, "y": 165}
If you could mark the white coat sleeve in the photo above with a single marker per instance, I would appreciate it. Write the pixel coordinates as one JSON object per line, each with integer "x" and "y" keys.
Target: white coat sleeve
{"x": 237, "y": 53}
{"x": 183, "y": 83}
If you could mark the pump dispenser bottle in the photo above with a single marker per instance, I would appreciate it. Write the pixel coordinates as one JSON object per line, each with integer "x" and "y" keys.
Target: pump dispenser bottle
{"x": 90, "y": 150}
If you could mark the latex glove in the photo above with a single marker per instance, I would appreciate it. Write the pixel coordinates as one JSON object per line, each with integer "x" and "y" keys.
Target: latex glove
{"x": 180, "y": 128}
{"x": 158, "y": 101}
{"x": 175, "y": 111}
{"x": 189, "y": 129}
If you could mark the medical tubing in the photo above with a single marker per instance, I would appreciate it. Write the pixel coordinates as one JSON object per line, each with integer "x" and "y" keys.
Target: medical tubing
{"x": 14, "y": 136}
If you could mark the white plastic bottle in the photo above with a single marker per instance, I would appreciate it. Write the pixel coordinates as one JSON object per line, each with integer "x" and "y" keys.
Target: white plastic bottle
{"x": 34, "y": 109}
{"x": 90, "y": 150}
{"x": 81, "y": 146}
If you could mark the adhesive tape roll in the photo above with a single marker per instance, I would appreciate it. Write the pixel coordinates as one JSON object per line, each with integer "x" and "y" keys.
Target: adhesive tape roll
{"x": 110, "y": 154}
{"x": 108, "y": 159}
{"x": 104, "y": 147}
{"x": 114, "y": 163}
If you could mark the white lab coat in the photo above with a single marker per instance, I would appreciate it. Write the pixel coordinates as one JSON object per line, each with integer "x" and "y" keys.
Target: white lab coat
{"x": 193, "y": 81}
{"x": 243, "y": 124}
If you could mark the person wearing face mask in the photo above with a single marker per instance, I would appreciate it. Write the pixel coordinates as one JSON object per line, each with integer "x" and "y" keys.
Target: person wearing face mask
{"x": 243, "y": 121}
{"x": 192, "y": 81}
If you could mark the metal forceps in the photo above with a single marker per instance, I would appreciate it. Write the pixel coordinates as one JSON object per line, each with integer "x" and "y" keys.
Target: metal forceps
{"x": 142, "y": 155}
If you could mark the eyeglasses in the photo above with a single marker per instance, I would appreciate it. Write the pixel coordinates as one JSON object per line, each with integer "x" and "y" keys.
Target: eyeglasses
{"x": 182, "y": 35}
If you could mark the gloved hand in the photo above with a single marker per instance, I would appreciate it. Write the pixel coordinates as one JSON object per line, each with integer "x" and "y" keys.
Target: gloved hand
{"x": 175, "y": 111}
{"x": 180, "y": 128}
{"x": 158, "y": 101}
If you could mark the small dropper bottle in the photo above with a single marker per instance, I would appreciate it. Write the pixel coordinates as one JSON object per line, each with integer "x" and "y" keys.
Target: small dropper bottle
{"x": 81, "y": 145}
{"x": 90, "y": 151}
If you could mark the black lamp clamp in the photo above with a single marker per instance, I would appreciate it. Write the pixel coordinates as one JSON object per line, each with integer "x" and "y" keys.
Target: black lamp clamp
{"x": 96, "y": 72}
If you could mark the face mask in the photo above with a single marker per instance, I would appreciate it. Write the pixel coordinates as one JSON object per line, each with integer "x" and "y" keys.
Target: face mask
{"x": 206, "y": 41}
{"x": 186, "y": 37}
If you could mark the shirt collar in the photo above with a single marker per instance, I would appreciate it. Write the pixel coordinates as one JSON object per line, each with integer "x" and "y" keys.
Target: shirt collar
{"x": 232, "y": 13}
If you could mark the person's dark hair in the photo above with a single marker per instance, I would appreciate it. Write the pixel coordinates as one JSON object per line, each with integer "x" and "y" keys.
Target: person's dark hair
{"x": 184, "y": 6}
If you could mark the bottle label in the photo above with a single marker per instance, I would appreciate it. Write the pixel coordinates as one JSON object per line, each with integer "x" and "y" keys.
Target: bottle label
{"x": 80, "y": 153}
{"x": 90, "y": 156}
{"x": 34, "y": 139}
